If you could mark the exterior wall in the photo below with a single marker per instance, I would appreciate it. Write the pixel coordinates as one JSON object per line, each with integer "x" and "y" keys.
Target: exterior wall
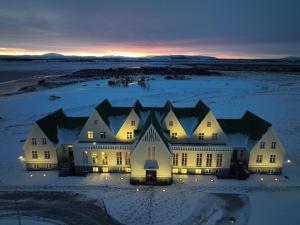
{"x": 127, "y": 127}
{"x": 162, "y": 156}
{"x": 96, "y": 128}
{"x": 98, "y": 152}
{"x": 42, "y": 163}
{"x": 208, "y": 131}
{"x": 269, "y": 137}
{"x": 176, "y": 128}
{"x": 192, "y": 161}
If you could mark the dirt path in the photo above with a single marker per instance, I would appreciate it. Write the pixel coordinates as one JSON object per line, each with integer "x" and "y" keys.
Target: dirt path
{"x": 68, "y": 208}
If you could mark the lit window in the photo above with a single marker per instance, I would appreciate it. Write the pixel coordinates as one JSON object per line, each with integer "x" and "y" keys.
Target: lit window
{"x": 197, "y": 171}
{"x": 208, "y": 160}
{"x": 102, "y": 135}
{"x": 214, "y": 136}
{"x": 105, "y": 169}
{"x": 47, "y": 155}
{"x": 259, "y": 158}
{"x": 174, "y": 170}
{"x": 199, "y": 159}
{"x": 104, "y": 158}
{"x": 133, "y": 123}
{"x": 201, "y": 136}
{"x": 33, "y": 141}
{"x": 272, "y": 158}
{"x": 94, "y": 158}
{"x": 184, "y": 171}
{"x": 90, "y": 134}
{"x": 175, "y": 159}
{"x": 219, "y": 160}
{"x": 273, "y": 145}
{"x": 34, "y": 154}
{"x": 127, "y": 170}
{"x": 129, "y": 135}
{"x": 262, "y": 144}
{"x": 209, "y": 124}
{"x": 184, "y": 159}
{"x": 170, "y": 123}
{"x": 95, "y": 169}
{"x": 119, "y": 158}
{"x": 174, "y": 136}
{"x": 44, "y": 141}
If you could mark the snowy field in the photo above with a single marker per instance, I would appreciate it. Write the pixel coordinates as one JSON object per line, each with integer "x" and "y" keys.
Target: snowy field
{"x": 191, "y": 199}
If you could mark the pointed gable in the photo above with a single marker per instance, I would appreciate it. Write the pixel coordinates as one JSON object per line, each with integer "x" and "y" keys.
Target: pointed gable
{"x": 152, "y": 130}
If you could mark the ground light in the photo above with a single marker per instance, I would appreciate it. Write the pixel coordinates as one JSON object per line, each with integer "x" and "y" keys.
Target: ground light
{"x": 106, "y": 178}
{"x": 137, "y": 189}
{"x": 180, "y": 178}
{"x": 122, "y": 178}
{"x": 276, "y": 179}
{"x": 289, "y": 161}
{"x": 212, "y": 180}
{"x": 164, "y": 190}
{"x": 44, "y": 174}
{"x": 262, "y": 179}
{"x": 31, "y": 175}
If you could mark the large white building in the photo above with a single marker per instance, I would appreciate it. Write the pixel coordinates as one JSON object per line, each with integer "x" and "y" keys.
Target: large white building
{"x": 152, "y": 143}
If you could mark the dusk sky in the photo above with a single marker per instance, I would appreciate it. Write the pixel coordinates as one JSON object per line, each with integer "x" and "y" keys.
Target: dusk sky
{"x": 231, "y": 28}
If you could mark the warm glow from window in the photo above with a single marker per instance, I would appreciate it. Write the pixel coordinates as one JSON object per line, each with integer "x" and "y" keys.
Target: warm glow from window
{"x": 184, "y": 171}
{"x": 127, "y": 169}
{"x": 95, "y": 169}
{"x": 198, "y": 171}
{"x": 90, "y": 134}
{"x": 175, "y": 170}
{"x": 105, "y": 169}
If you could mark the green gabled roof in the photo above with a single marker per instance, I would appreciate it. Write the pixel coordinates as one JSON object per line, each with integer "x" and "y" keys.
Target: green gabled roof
{"x": 50, "y": 123}
{"x": 250, "y": 124}
{"x": 153, "y": 120}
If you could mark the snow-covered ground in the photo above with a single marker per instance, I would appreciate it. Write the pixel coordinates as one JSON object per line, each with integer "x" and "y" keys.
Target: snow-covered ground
{"x": 271, "y": 199}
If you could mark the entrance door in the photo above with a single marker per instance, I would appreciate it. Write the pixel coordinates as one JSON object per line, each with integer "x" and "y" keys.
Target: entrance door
{"x": 150, "y": 175}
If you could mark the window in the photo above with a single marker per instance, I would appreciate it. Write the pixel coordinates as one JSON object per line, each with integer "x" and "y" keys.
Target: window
{"x": 257, "y": 170}
{"x": 262, "y": 144}
{"x": 94, "y": 158}
{"x": 259, "y": 158}
{"x": 184, "y": 159}
{"x": 174, "y": 170}
{"x": 48, "y": 166}
{"x": 34, "y": 154}
{"x": 119, "y": 158}
{"x": 174, "y": 136}
{"x": 44, "y": 141}
{"x": 127, "y": 158}
{"x": 105, "y": 169}
{"x": 33, "y": 141}
{"x": 104, "y": 158}
{"x": 95, "y": 122}
{"x": 199, "y": 159}
{"x": 102, "y": 135}
{"x": 208, "y": 160}
{"x": 214, "y": 136}
{"x": 272, "y": 158}
{"x": 129, "y": 135}
{"x": 218, "y": 171}
{"x": 35, "y": 166}
{"x": 208, "y": 124}
{"x": 184, "y": 171}
{"x": 219, "y": 160}
{"x": 175, "y": 159}
{"x": 47, "y": 154}
{"x": 201, "y": 136}
{"x": 133, "y": 123}
{"x": 127, "y": 170}
{"x": 95, "y": 169}
{"x": 273, "y": 145}
{"x": 208, "y": 171}
{"x": 170, "y": 123}
{"x": 90, "y": 134}
{"x": 153, "y": 152}
{"x": 85, "y": 159}
{"x": 197, "y": 171}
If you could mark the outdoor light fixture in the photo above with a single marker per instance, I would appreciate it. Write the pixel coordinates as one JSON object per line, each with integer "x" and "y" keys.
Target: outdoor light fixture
{"x": 196, "y": 179}
{"x": 276, "y": 179}
{"x": 94, "y": 143}
{"x": 44, "y": 174}
{"x": 180, "y": 178}
{"x": 31, "y": 175}
{"x": 164, "y": 190}
{"x": 261, "y": 179}
{"x": 106, "y": 178}
{"x": 137, "y": 189}
{"x": 21, "y": 158}
{"x": 289, "y": 161}
{"x": 121, "y": 178}
{"x": 212, "y": 180}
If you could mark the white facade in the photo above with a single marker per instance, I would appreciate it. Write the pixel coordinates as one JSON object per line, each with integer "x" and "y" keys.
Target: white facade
{"x": 152, "y": 143}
